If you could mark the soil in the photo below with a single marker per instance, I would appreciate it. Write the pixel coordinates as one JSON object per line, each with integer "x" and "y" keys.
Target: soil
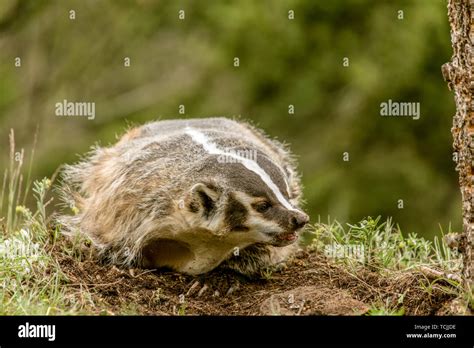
{"x": 309, "y": 285}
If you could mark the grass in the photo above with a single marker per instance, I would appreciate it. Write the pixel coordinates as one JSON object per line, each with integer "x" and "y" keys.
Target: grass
{"x": 34, "y": 283}
{"x": 31, "y": 277}
{"x": 380, "y": 245}
{"x": 385, "y": 310}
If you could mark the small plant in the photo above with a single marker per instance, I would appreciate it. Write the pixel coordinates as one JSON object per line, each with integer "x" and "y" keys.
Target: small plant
{"x": 384, "y": 246}
{"x": 374, "y": 311}
{"x": 267, "y": 273}
{"x": 182, "y": 310}
{"x": 30, "y": 276}
{"x": 388, "y": 308}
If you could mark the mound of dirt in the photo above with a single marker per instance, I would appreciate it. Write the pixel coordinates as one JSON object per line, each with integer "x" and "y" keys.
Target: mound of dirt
{"x": 309, "y": 285}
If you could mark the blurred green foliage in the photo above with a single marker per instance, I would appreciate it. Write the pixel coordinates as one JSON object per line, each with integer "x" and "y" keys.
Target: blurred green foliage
{"x": 282, "y": 62}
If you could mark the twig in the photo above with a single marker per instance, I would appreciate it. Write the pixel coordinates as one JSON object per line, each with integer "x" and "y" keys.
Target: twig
{"x": 436, "y": 274}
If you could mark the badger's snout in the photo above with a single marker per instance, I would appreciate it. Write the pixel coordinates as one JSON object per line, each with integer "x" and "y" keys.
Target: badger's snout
{"x": 298, "y": 220}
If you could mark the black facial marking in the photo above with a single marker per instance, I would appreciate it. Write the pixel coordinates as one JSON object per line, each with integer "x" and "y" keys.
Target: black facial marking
{"x": 262, "y": 206}
{"x": 235, "y": 215}
{"x": 207, "y": 203}
{"x": 212, "y": 186}
{"x": 279, "y": 215}
{"x": 193, "y": 207}
{"x": 247, "y": 181}
{"x": 288, "y": 220}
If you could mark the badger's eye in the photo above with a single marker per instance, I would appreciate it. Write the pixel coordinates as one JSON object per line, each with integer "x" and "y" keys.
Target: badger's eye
{"x": 262, "y": 207}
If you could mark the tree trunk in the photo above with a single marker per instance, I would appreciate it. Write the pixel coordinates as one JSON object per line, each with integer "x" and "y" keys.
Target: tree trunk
{"x": 459, "y": 74}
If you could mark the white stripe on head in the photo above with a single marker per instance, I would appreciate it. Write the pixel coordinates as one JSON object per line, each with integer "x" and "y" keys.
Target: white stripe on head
{"x": 211, "y": 148}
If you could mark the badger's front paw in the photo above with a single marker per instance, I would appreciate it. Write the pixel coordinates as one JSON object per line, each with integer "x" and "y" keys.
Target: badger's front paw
{"x": 206, "y": 287}
{"x": 197, "y": 289}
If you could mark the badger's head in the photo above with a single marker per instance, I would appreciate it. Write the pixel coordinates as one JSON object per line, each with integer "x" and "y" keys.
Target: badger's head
{"x": 247, "y": 201}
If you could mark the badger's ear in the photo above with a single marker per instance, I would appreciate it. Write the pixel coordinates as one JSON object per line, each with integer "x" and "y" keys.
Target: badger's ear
{"x": 203, "y": 198}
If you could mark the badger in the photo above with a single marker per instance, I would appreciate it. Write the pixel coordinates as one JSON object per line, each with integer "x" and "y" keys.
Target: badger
{"x": 188, "y": 195}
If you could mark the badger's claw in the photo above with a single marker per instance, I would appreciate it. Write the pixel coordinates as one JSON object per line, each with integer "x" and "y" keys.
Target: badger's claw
{"x": 233, "y": 288}
{"x": 201, "y": 288}
{"x": 193, "y": 288}
{"x": 197, "y": 289}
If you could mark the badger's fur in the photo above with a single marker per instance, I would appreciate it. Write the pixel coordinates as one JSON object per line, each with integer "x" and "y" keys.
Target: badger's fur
{"x": 189, "y": 195}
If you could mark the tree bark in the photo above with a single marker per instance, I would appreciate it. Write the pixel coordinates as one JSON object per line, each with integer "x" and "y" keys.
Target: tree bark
{"x": 459, "y": 74}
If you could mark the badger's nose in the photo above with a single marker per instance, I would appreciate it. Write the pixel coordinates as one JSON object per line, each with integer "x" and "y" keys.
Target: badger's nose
{"x": 298, "y": 220}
